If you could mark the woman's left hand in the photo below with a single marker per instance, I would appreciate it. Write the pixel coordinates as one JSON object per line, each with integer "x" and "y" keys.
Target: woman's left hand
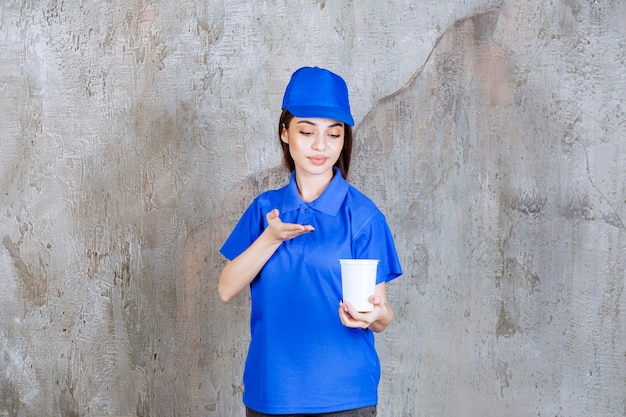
{"x": 350, "y": 317}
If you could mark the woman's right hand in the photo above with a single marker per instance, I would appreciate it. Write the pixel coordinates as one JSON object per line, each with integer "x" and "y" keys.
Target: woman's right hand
{"x": 280, "y": 231}
{"x": 238, "y": 273}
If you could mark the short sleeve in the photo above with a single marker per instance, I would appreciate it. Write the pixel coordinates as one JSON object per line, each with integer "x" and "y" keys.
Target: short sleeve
{"x": 247, "y": 230}
{"x": 375, "y": 241}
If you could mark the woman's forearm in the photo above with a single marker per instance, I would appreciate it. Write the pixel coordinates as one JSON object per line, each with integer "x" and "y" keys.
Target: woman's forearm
{"x": 239, "y": 273}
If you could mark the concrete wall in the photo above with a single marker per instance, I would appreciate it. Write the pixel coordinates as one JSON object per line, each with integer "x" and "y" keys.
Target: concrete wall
{"x": 492, "y": 134}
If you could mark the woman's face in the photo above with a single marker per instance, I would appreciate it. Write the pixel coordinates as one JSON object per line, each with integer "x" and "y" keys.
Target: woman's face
{"x": 314, "y": 144}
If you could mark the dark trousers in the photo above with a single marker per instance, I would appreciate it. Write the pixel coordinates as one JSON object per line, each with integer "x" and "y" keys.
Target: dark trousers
{"x": 357, "y": 412}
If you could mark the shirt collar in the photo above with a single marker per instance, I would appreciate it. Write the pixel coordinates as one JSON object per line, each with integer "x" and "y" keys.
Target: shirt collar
{"x": 329, "y": 202}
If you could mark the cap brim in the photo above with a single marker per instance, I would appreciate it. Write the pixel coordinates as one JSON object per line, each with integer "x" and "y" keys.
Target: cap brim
{"x": 322, "y": 112}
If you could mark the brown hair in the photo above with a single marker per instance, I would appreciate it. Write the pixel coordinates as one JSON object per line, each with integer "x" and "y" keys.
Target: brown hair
{"x": 343, "y": 163}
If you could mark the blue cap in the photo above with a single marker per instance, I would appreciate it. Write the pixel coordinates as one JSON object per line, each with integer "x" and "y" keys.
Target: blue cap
{"x": 317, "y": 92}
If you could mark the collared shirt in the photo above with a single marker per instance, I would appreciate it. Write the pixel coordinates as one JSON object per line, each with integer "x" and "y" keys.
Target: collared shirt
{"x": 301, "y": 358}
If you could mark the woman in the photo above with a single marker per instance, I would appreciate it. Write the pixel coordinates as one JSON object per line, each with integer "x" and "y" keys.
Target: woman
{"x": 310, "y": 353}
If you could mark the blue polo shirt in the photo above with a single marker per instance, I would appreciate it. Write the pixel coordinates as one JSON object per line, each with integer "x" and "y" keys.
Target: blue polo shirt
{"x": 301, "y": 359}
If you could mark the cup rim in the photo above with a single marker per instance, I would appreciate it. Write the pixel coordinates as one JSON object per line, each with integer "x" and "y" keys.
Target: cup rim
{"x": 358, "y": 261}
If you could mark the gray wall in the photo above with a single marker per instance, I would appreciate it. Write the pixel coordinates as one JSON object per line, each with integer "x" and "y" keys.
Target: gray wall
{"x": 492, "y": 134}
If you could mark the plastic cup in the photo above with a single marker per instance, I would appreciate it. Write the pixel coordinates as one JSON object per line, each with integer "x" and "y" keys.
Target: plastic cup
{"x": 358, "y": 282}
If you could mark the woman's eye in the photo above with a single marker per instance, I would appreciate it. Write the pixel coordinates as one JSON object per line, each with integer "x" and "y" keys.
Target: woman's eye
{"x": 306, "y": 133}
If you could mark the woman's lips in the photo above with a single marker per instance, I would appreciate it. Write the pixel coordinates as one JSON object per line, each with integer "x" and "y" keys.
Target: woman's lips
{"x": 318, "y": 160}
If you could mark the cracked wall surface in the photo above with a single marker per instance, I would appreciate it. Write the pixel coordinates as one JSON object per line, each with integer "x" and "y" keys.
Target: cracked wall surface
{"x": 491, "y": 133}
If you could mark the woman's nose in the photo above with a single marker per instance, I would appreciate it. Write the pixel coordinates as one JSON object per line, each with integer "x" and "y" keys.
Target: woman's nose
{"x": 318, "y": 144}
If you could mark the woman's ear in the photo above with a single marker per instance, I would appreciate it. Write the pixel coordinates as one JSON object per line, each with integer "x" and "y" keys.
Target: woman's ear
{"x": 283, "y": 135}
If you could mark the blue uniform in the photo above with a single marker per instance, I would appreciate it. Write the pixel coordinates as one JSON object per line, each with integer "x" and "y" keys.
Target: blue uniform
{"x": 301, "y": 358}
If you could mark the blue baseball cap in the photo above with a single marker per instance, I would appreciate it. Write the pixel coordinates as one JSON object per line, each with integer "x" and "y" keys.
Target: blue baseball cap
{"x": 317, "y": 92}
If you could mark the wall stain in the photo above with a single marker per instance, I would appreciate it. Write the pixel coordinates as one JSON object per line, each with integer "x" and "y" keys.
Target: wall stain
{"x": 514, "y": 275}
{"x": 157, "y": 51}
{"x": 504, "y": 375}
{"x": 35, "y": 287}
{"x": 505, "y": 327}
{"x": 94, "y": 259}
{"x": 579, "y": 208}
{"x": 11, "y": 403}
{"x": 531, "y": 204}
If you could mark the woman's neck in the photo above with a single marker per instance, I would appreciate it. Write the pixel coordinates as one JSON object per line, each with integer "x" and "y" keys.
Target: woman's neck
{"x": 311, "y": 187}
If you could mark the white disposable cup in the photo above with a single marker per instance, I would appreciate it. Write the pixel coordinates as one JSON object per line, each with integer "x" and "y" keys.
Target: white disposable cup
{"x": 358, "y": 282}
